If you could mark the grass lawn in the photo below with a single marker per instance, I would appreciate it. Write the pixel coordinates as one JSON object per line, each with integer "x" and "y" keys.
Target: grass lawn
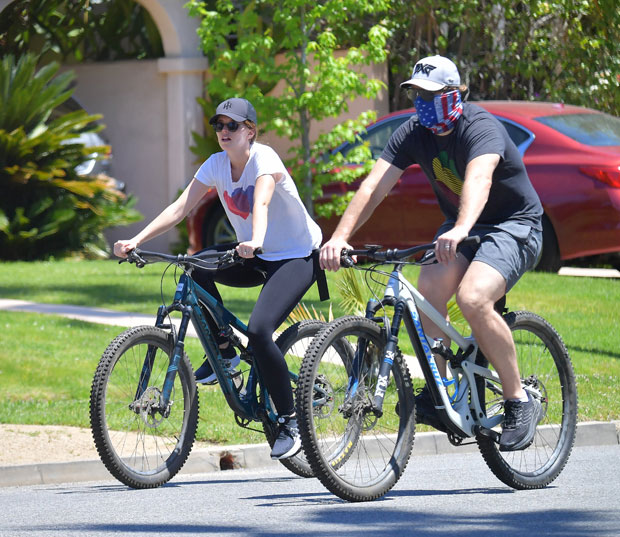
{"x": 47, "y": 362}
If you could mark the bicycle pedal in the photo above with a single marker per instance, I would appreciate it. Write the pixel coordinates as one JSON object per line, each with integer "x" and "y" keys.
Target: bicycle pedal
{"x": 237, "y": 378}
{"x": 489, "y": 433}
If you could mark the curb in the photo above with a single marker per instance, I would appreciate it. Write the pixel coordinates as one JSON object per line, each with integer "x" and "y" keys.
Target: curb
{"x": 218, "y": 459}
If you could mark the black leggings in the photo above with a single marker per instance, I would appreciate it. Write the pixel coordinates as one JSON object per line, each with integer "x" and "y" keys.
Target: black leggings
{"x": 285, "y": 283}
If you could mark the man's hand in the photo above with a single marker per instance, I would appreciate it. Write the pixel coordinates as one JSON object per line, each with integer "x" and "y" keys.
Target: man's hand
{"x": 445, "y": 248}
{"x": 329, "y": 257}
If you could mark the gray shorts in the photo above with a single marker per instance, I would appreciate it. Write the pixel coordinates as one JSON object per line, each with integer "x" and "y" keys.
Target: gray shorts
{"x": 510, "y": 248}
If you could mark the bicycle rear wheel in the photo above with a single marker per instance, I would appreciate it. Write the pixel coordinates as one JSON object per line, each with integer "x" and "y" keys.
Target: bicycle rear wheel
{"x": 293, "y": 343}
{"x": 548, "y": 374}
{"x": 356, "y": 454}
{"x": 140, "y": 443}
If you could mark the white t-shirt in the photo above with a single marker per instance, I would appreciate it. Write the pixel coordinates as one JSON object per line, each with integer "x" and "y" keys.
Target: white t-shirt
{"x": 291, "y": 233}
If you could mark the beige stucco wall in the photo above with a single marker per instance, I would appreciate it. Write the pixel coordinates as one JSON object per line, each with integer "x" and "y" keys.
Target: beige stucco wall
{"x": 131, "y": 95}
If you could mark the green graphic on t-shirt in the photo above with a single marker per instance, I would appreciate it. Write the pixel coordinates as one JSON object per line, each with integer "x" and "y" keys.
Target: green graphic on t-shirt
{"x": 446, "y": 173}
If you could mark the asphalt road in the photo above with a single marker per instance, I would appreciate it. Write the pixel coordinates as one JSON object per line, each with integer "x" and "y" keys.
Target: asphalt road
{"x": 438, "y": 496}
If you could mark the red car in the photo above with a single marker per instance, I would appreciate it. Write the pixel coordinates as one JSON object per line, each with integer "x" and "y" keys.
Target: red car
{"x": 572, "y": 155}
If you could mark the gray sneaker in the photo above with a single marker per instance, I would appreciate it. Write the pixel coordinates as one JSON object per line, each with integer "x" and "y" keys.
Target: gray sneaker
{"x": 520, "y": 421}
{"x": 287, "y": 442}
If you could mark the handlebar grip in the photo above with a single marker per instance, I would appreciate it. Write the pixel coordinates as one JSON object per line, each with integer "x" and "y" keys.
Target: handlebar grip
{"x": 346, "y": 260}
{"x": 474, "y": 240}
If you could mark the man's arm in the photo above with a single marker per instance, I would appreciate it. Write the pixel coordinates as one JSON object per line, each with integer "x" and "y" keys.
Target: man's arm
{"x": 476, "y": 188}
{"x": 371, "y": 192}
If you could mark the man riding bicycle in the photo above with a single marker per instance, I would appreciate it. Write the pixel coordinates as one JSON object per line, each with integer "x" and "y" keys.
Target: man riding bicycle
{"x": 483, "y": 189}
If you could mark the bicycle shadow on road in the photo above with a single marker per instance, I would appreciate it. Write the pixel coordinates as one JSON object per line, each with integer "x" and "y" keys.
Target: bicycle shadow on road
{"x": 370, "y": 520}
{"x": 442, "y": 522}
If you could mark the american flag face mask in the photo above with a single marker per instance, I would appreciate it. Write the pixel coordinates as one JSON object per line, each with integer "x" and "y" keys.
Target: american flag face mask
{"x": 440, "y": 114}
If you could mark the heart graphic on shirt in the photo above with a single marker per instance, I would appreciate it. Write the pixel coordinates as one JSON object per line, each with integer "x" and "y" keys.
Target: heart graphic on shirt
{"x": 448, "y": 180}
{"x": 241, "y": 201}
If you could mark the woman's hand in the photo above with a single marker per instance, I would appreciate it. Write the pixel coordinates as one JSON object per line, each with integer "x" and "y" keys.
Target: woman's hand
{"x": 123, "y": 247}
{"x": 246, "y": 249}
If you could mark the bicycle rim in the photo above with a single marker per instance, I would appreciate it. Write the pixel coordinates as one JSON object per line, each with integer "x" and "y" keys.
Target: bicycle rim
{"x": 547, "y": 371}
{"x": 357, "y": 455}
{"x": 142, "y": 445}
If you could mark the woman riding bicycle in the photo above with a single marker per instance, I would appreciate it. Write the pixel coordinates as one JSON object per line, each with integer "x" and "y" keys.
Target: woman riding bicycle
{"x": 266, "y": 212}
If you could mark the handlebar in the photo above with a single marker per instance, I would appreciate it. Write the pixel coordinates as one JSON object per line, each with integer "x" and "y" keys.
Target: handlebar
{"x": 375, "y": 253}
{"x": 222, "y": 259}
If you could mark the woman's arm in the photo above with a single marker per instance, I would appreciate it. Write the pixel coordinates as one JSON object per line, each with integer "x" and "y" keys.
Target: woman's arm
{"x": 168, "y": 218}
{"x": 263, "y": 192}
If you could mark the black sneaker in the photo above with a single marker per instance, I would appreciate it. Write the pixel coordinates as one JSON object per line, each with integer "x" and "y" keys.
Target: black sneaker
{"x": 287, "y": 443}
{"x": 520, "y": 421}
{"x": 205, "y": 374}
{"x": 425, "y": 410}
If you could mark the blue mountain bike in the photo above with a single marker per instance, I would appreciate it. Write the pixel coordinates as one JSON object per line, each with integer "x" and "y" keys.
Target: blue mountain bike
{"x": 144, "y": 399}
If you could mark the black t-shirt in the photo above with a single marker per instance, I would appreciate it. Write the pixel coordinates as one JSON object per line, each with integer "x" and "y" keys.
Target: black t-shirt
{"x": 444, "y": 159}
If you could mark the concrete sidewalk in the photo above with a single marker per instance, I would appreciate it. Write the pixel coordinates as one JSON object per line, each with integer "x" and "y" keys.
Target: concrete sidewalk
{"x": 82, "y": 313}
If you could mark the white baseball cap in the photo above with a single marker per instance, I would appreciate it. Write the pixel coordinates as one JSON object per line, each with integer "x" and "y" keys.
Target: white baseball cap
{"x": 434, "y": 73}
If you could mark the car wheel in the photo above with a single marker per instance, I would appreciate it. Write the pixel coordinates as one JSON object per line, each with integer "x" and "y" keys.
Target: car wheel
{"x": 217, "y": 229}
{"x": 550, "y": 260}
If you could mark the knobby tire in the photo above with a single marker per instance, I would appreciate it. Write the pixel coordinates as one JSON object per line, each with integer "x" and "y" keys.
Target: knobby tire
{"x": 355, "y": 454}
{"x": 142, "y": 448}
{"x": 544, "y": 363}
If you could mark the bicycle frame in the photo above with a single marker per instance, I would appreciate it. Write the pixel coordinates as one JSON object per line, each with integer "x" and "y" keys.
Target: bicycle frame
{"x": 188, "y": 299}
{"x": 461, "y": 418}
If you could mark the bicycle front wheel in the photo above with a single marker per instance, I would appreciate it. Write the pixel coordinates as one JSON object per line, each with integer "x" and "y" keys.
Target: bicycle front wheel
{"x": 357, "y": 454}
{"x": 142, "y": 444}
{"x": 547, "y": 373}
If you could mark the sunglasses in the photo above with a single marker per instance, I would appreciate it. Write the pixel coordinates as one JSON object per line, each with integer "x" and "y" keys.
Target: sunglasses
{"x": 425, "y": 95}
{"x": 232, "y": 126}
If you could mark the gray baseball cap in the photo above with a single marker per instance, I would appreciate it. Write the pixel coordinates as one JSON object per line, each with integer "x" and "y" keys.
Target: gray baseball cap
{"x": 235, "y": 108}
{"x": 434, "y": 73}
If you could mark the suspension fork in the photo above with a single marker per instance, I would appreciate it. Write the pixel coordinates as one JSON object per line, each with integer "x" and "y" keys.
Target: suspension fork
{"x": 147, "y": 366}
{"x": 179, "y": 348}
{"x": 389, "y": 354}
{"x": 173, "y": 365}
{"x": 360, "y": 354}
{"x": 387, "y": 359}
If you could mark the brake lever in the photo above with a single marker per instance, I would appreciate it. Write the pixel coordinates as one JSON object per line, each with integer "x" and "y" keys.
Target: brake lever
{"x": 229, "y": 258}
{"x": 134, "y": 257}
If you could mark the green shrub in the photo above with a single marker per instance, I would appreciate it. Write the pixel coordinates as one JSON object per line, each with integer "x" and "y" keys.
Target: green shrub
{"x": 46, "y": 208}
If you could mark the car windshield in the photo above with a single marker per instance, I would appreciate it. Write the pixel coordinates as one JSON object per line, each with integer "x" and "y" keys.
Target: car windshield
{"x": 588, "y": 129}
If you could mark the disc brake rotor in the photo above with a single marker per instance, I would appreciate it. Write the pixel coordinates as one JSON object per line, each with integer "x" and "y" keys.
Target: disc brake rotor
{"x": 323, "y": 398}
{"x": 150, "y": 407}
